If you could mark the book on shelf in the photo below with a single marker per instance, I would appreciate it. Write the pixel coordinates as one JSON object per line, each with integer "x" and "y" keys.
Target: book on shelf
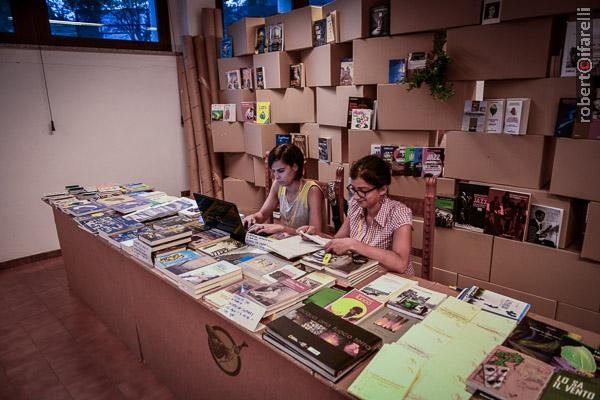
{"x": 388, "y": 324}
{"x": 322, "y": 341}
{"x": 516, "y": 116}
{"x": 248, "y": 109}
{"x": 358, "y": 103}
{"x": 495, "y": 303}
{"x": 471, "y": 205}
{"x": 219, "y": 248}
{"x": 165, "y": 235}
{"x": 301, "y": 141}
{"x": 276, "y": 37}
{"x": 506, "y": 214}
{"x": 261, "y": 77}
{"x": 332, "y": 28}
{"x": 282, "y": 293}
{"x": 261, "y": 40}
{"x": 247, "y": 80}
{"x": 325, "y": 149}
{"x": 229, "y": 113}
{"x": 227, "y": 47}
{"x": 416, "y": 302}
{"x": 386, "y": 287}
{"x": 263, "y": 112}
{"x": 397, "y": 70}
{"x": 414, "y": 165}
{"x": 354, "y": 306}
{"x": 346, "y": 72}
{"x": 544, "y": 225}
{"x": 474, "y": 113}
{"x": 570, "y": 50}
{"x": 233, "y": 79}
{"x": 445, "y": 211}
{"x": 319, "y": 32}
{"x": 361, "y": 119}
{"x": 297, "y": 75}
{"x": 416, "y": 60}
{"x": 507, "y": 374}
{"x": 433, "y": 161}
{"x": 566, "y": 385}
{"x": 216, "y": 112}
{"x": 492, "y": 12}
{"x": 375, "y": 150}
{"x": 283, "y": 138}
{"x": 380, "y": 20}
{"x": 565, "y": 117}
{"x": 256, "y": 267}
{"x": 494, "y": 117}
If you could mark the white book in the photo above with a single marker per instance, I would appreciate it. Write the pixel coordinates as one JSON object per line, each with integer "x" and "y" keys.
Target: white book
{"x": 491, "y": 13}
{"x": 387, "y": 286}
{"x": 287, "y": 271}
{"x": 474, "y": 116}
{"x": 229, "y": 112}
{"x": 361, "y": 118}
{"x": 293, "y": 247}
{"x": 494, "y": 118}
{"x": 516, "y": 116}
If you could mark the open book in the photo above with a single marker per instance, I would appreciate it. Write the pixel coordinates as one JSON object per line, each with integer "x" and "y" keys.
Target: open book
{"x": 294, "y": 246}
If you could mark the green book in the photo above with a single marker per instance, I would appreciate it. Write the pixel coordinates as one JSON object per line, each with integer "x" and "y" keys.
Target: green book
{"x": 325, "y": 296}
{"x": 568, "y": 385}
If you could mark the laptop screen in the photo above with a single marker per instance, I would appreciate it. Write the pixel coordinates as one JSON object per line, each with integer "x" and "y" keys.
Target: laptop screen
{"x": 222, "y": 215}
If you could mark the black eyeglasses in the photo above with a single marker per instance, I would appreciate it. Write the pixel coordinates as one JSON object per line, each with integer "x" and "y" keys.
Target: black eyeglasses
{"x": 360, "y": 193}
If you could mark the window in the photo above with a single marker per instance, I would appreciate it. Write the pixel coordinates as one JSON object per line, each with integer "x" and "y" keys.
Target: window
{"x": 128, "y": 24}
{"x": 234, "y": 10}
{"x": 319, "y": 2}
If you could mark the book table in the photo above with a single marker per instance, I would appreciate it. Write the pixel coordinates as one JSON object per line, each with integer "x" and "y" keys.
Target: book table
{"x": 194, "y": 350}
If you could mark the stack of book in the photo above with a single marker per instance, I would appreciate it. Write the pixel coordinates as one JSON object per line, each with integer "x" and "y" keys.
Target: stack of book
{"x": 261, "y": 265}
{"x": 322, "y": 341}
{"x": 150, "y": 244}
{"x": 278, "y": 296}
{"x": 349, "y": 269}
{"x": 416, "y": 302}
{"x": 107, "y": 224}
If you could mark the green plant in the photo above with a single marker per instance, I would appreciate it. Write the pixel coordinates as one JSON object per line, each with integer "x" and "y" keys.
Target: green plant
{"x": 434, "y": 73}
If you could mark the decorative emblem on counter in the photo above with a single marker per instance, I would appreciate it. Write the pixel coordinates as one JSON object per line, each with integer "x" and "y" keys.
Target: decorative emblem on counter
{"x": 224, "y": 350}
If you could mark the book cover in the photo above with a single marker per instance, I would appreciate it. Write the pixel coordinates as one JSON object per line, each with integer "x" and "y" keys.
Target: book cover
{"x": 109, "y": 224}
{"x": 320, "y": 32}
{"x": 361, "y": 119}
{"x": 355, "y": 103}
{"x": 380, "y": 21}
{"x": 388, "y": 155}
{"x": 387, "y": 286}
{"x": 578, "y": 357}
{"x": 78, "y": 210}
{"x": 332, "y": 27}
{"x": 494, "y": 118}
{"x": 276, "y": 37}
{"x": 495, "y": 303}
{"x": 565, "y": 118}
{"x": 221, "y": 247}
{"x": 537, "y": 339}
{"x": 516, "y": 116}
{"x": 229, "y": 113}
{"x": 297, "y": 76}
{"x": 227, "y": 47}
{"x": 570, "y": 51}
{"x": 283, "y": 138}
{"x": 416, "y": 60}
{"x": 444, "y": 211}
{"x": 248, "y": 109}
{"x": 506, "y": 214}
{"x": 346, "y": 72}
{"x": 317, "y": 280}
{"x": 544, "y": 225}
{"x": 325, "y": 150}
{"x": 171, "y": 221}
{"x": 389, "y": 325}
{"x": 260, "y": 76}
{"x": 187, "y": 266}
{"x": 474, "y": 116}
{"x": 233, "y": 79}
{"x": 261, "y": 265}
{"x": 508, "y": 374}
{"x": 175, "y": 258}
{"x": 416, "y": 161}
{"x": 417, "y": 302}
{"x": 301, "y": 141}
{"x": 325, "y": 296}
{"x": 433, "y": 161}
{"x": 247, "y": 78}
{"x": 492, "y": 10}
{"x": 397, "y": 71}
{"x": 285, "y": 272}
{"x": 569, "y": 386}
{"x": 206, "y": 237}
{"x": 216, "y": 112}
{"x": 260, "y": 42}
{"x": 221, "y": 297}
{"x": 207, "y": 274}
{"x": 354, "y": 306}
{"x": 375, "y": 150}
{"x": 276, "y": 293}
{"x": 263, "y": 112}
{"x": 471, "y": 206}
{"x": 169, "y": 234}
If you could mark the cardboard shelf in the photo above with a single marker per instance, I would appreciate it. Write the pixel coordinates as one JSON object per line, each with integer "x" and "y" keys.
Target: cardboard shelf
{"x": 230, "y": 64}
{"x": 246, "y": 196}
{"x": 359, "y": 142}
{"x": 239, "y": 166}
{"x": 277, "y": 68}
{"x": 575, "y": 170}
{"x": 260, "y": 138}
{"x": 354, "y": 17}
{"x": 228, "y": 137}
{"x": 414, "y": 187}
{"x": 243, "y": 33}
{"x": 590, "y": 248}
{"x": 322, "y": 63}
{"x": 578, "y": 316}
{"x": 449, "y": 252}
{"x": 339, "y": 140}
{"x": 332, "y": 103}
{"x": 431, "y": 15}
{"x": 290, "y": 105}
{"x": 297, "y": 26}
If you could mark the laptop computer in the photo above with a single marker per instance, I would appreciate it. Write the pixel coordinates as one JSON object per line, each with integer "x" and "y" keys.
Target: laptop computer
{"x": 222, "y": 215}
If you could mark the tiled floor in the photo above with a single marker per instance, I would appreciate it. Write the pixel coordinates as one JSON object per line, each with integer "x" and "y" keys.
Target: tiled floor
{"x": 53, "y": 347}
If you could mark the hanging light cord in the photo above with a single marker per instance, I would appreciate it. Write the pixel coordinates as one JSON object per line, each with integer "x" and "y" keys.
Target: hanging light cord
{"x": 52, "y": 127}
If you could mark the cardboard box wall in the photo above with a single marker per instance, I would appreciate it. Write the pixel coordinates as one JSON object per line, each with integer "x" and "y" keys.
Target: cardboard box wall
{"x": 359, "y": 141}
{"x": 245, "y": 195}
{"x": 591, "y": 239}
{"x": 322, "y": 63}
{"x": 539, "y": 305}
{"x": 258, "y": 169}
{"x": 332, "y": 103}
{"x": 578, "y": 316}
{"x": 292, "y": 105}
{"x": 444, "y": 277}
{"x": 575, "y": 170}
{"x": 260, "y": 138}
{"x": 551, "y": 273}
{"x": 230, "y": 64}
{"x": 451, "y": 246}
{"x": 297, "y": 26}
{"x": 516, "y": 9}
{"x": 415, "y": 188}
{"x": 243, "y": 33}
{"x": 510, "y": 50}
{"x": 400, "y": 109}
{"x": 228, "y": 137}
{"x": 409, "y": 16}
{"x": 339, "y": 140}
{"x": 237, "y": 96}
{"x": 501, "y": 159}
{"x": 371, "y": 56}
{"x": 545, "y": 95}
{"x": 354, "y": 17}
{"x": 239, "y": 166}
{"x": 276, "y": 68}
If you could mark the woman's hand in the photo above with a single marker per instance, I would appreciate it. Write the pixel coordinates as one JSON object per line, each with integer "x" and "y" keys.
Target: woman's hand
{"x": 268, "y": 229}
{"x": 249, "y": 220}
{"x": 308, "y": 229}
{"x": 340, "y": 246}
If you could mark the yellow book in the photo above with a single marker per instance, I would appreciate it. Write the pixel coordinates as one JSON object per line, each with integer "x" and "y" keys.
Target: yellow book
{"x": 263, "y": 112}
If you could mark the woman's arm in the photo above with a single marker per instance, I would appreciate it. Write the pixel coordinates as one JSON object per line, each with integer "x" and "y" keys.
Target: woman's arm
{"x": 315, "y": 207}
{"x": 267, "y": 208}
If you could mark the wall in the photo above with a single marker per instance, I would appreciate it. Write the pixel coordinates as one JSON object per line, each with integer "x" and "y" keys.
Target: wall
{"x": 117, "y": 119}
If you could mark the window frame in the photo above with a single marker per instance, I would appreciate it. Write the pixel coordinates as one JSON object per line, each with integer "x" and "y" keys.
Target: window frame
{"x": 31, "y": 26}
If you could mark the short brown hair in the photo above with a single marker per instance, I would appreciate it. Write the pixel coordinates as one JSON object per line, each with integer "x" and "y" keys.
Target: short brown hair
{"x": 373, "y": 170}
{"x": 290, "y": 154}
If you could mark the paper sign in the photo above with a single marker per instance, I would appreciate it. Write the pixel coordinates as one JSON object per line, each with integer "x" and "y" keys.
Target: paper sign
{"x": 244, "y": 312}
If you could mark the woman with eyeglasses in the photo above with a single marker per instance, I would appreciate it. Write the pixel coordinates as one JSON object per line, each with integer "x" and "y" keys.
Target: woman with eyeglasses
{"x": 377, "y": 227}
{"x": 300, "y": 201}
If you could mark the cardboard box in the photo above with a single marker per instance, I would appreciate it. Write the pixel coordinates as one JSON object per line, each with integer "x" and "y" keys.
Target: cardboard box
{"x": 245, "y": 195}
{"x": 322, "y": 63}
{"x": 415, "y": 188}
{"x": 258, "y": 169}
{"x": 311, "y": 169}
{"x": 400, "y": 109}
{"x": 543, "y": 197}
{"x": 236, "y": 96}
{"x": 277, "y": 68}
{"x": 290, "y": 105}
{"x": 577, "y": 316}
{"x": 515, "y": 9}
{"x": 511, "y": 50}
{"x": 239, "y": 166}
{"x": 551, "y": 273}
{"x": 332, "y": 103}
{"x": 544, "y": 94}
{"x": 432, "y": 15}
{"x": 465, "y": 252}
{"x": 327, "y": 173}
{"x": 417, "y": 233}
{"x": 259, "y": 138}
{"x": 575, "y": 170}
{"x": 372, "y": 56}
{"x": 591, "y": 240}
{"x": 539, "y": 305}
{"x": 502, "y": 159}
{"x": 297, "y": 26}
{"x": 444, "y": 277}
{"x": 354, "y": 17}
{"x": 359, "y": 142}
{"x": 230, "y": 64}
{"x": 228, "y": 137}
{"x": 243, "y": 33}
{"x": 339, "y": 140}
